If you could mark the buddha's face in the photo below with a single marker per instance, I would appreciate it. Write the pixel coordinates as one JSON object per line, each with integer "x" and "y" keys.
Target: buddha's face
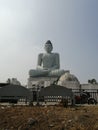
{"x": 48, "y": 47}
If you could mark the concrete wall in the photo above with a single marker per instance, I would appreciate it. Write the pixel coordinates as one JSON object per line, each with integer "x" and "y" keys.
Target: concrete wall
{"x": 89, "y": 86}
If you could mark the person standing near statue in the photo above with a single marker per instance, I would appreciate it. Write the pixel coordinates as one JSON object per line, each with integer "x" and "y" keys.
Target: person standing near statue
{"x": 48, "y": 63}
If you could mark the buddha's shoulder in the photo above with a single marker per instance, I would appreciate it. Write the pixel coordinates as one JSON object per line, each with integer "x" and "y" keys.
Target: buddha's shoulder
{"x": 55, "y": 54}
{"x": 40, "y": 55}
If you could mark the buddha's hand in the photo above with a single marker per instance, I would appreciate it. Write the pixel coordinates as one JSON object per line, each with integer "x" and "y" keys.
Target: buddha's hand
{"x": 47, "y": 70}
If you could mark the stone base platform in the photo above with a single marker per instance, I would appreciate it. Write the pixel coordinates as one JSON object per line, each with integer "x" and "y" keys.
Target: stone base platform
{"x": 40, "y": 81}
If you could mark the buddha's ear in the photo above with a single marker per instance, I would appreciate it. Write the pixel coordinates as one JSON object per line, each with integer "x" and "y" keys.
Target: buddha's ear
{"x": 44, "y": 47}
{"x": 51, "y": 47}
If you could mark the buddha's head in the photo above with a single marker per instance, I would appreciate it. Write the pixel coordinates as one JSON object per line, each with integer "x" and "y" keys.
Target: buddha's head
{"x": 48, "y": 46}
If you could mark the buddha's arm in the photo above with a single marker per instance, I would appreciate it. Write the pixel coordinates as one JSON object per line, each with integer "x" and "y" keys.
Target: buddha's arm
{"x": 39, "y": 62}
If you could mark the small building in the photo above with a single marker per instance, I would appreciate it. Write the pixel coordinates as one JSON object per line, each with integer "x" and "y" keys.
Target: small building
{"x": 55, "y": 93}
{"x": 89, "y": 86}
{"x": 10, "y": 92}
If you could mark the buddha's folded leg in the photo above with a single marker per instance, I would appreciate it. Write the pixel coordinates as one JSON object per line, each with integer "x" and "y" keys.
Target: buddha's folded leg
{"x": 56, "y": 72}
{"x": 35, "y": 73}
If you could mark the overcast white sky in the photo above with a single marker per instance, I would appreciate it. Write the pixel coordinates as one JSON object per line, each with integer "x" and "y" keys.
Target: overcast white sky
{"x": 71, "y": 25}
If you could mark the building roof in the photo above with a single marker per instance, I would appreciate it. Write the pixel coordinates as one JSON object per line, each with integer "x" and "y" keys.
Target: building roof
{"x": 56, "y": 90}
{"x": 15, "y": 91}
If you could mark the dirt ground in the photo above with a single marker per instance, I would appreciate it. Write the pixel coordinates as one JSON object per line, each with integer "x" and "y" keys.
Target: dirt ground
{"x": 48, "y": 118}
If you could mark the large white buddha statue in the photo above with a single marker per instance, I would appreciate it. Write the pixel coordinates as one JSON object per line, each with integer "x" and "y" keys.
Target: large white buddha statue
{"x": 48, "y": 63}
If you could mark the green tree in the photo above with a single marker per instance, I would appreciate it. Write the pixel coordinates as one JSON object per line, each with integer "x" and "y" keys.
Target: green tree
{"x": 92, "y": 81}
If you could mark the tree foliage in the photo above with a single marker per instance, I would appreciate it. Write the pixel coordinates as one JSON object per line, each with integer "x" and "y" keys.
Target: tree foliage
{"x": 92, "y": 81}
